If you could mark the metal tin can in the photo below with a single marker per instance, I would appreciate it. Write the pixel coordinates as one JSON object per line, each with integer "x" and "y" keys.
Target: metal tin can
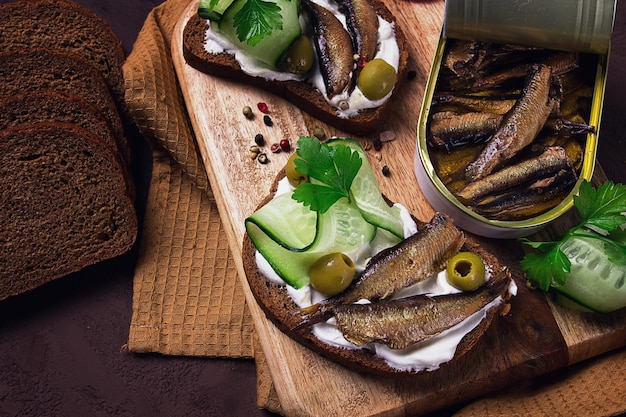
{"x": 442, "y": 199}
{"x": 567, "y": 25}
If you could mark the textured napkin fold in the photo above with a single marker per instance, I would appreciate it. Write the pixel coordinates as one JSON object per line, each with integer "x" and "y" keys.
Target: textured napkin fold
{"x": 186, "y": 296}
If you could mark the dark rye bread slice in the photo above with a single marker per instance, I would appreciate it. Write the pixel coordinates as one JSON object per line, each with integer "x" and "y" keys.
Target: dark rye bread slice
{"x": 63, "y": 24}
{"x": 63, "y": 202}
{"x": 50, "y": 69}
{"x": 285, "y": 314}
{"x": 50, "y": 105}
{"x": 301, "y": 94}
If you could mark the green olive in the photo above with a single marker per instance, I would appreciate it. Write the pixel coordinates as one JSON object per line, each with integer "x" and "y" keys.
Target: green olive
{"x": 299, "y": 57}
{"x": 377, "y": 79}
{"x": 466, "y": 271}
{"x": 293, "y": 176}
{"x": 332, "y": 273}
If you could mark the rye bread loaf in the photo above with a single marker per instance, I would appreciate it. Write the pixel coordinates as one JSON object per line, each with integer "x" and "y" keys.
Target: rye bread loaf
{"x": 50, "y": 105}
{"x": 279, "y": 308}
{"x": 63, "y": 24}
{"x": 301, "y": 94}
{"x": 64, "y": 204}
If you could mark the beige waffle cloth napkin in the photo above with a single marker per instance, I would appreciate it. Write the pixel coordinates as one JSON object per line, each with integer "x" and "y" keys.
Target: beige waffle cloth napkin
{"x": 187, "y": 299}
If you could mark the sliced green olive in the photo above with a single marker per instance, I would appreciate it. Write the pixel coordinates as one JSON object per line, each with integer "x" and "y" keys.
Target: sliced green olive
{"x": 299, "y": 57}
{"x": 377, "y": 79}
{"x": 465, "y": 271}
{"x": 293, "y": 176}
{"x": 332, "y": 273}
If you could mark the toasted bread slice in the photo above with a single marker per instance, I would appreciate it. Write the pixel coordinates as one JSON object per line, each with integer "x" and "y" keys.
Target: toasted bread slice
{"x": 279, "y": 308}
{"x": 300, "y": 93}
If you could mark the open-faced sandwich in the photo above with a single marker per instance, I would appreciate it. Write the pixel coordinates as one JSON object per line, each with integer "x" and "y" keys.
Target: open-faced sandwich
{"x": 359, "y": 280}
{"x": 338, "y": 60}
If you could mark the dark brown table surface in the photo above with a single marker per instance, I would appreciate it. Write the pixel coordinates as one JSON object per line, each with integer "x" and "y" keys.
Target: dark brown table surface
{"x": 62, "y": 345}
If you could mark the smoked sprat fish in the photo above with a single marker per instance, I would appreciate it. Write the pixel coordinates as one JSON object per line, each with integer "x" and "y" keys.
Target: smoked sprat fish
{"x": 464, "y": 58}
{"x": 362, "y": 23}
{"x": 334, "y": 48}
{"x": 400, "y": 323}
{"x": 559, "y": 62}
{"x": 520, "y": 125}
{"x": 413, "y": 260}
{"x": 536, "y": 198}
{"x": 551, "y": 160}
{"x": 472, "y": 103}
{"x": 451, "y": 130}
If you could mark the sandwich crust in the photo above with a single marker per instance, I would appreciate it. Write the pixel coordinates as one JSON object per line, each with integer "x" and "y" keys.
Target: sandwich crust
{"x": 301, "y": 94}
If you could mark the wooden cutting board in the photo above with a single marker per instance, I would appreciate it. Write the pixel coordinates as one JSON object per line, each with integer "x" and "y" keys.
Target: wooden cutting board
{"x": 535, "y": 338}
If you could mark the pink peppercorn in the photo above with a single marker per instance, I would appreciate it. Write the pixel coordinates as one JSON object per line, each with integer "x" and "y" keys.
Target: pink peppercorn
{"x": 263, "y": 108}
{"x": 285, "y": 145}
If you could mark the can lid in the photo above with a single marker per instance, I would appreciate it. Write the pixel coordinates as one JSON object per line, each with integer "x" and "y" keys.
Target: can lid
{"x": 568, "y": 25}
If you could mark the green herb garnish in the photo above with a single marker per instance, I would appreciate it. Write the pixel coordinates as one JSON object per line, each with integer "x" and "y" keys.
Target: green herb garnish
{"x": 334, "y": 167}
{"x": 602, "y": 212}
{"x": 257, "y": 19}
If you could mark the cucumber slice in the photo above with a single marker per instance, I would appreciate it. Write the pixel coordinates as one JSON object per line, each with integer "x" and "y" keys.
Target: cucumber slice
{"x": 340, "y": 229}
{"x": 270, "y": 48}
{"x": 213, "y": 9}
{"x": 594, "y": 282}
{"x": 367, "y": 196}
{"x": 286, "y": 221}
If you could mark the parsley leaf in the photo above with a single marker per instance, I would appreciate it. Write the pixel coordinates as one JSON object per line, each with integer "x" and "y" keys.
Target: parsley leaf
{"x": 553, "y": 264}
{"x": 257, "y": 19}
{"x": 333, "y": 167}
{"x": 601, "y": 209}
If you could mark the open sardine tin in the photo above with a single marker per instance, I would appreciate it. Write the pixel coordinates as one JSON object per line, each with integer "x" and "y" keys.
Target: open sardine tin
{"x": 442, "y": 199}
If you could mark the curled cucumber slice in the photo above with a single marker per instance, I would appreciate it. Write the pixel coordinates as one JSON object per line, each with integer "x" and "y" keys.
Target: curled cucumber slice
{"x": 340, "y": 229}
{"x": 270, "y": 48}
{"x": 367, "y": 196}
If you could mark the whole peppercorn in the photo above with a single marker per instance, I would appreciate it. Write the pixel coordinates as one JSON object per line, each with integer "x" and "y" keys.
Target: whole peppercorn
{"x": 275, "y": 148}
{"x": 285, "y": 145}
{"x": 377, "y": 144}
{"x": 247, "y": 111}
{"x": 263, "y": 107}
{"x": 319, "y": 133}
{"x": 386, "y": 171}
{"x": 259, "y": 139}
{"x": 262, "y": 158}
{"x": 267, "y": 120}
{"x": 254, "y": 152}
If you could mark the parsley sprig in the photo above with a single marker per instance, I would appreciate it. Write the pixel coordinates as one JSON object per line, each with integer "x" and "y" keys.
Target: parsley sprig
{"x": 257, "y": 19}
{"x": 602, "y": 212}
{"x": 334, "y": 167}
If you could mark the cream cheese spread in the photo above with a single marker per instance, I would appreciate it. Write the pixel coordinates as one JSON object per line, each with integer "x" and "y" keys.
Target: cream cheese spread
{"x": 424, "y": 356}
{"x": 387, "y": 50}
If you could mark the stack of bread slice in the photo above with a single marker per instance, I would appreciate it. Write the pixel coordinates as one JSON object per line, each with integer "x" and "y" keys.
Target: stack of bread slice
{"x": 66, "y": 193}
